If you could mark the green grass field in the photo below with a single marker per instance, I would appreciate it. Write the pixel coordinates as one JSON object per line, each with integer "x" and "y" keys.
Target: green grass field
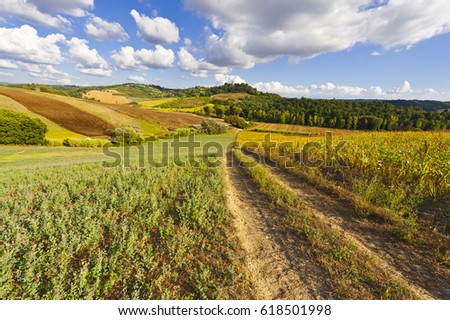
{"x": 17, "y": 157}
{"x": 75, "y": 229}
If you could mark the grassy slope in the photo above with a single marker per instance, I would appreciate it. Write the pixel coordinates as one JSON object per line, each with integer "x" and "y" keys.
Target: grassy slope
{"x": 54, "y": 131}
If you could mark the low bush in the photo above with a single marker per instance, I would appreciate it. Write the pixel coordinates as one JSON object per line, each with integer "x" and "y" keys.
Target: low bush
{"x": 210, "y": 126}
{"x": 19, "y": 128}
{"x": 238, "y": 122}
{"x": 185, "y": 132}
{"x": 127, "y": 136}
{"x": 85, "y": 143}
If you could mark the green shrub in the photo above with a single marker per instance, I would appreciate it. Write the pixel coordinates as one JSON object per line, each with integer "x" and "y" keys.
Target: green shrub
{"x": 85, "y": 143}
{"x": 127, "y": 136}
{"x": 238, "y": 122}
{"x": 18, "y": 128}
{"x": 185, "y": 132}
{"x": 210, "y": 126}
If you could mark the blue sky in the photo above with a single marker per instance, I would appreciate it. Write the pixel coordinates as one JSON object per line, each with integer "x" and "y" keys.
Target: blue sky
{"x": 313, "y": 48}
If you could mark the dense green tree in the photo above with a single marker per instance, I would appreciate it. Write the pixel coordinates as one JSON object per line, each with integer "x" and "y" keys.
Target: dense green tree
{"x": 19, "y": 128}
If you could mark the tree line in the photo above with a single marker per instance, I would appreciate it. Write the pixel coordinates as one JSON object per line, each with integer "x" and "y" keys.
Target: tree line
{"x": 357, "y": 115}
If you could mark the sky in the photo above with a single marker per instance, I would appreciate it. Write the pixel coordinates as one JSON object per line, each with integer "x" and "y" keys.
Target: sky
{"x": 353, "y": 49}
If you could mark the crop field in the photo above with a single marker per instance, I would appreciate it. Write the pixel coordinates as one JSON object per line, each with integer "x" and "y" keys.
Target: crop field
{"x": 293, "y": 127}
{"x": 60, "y": 113}
{"x": 387, "y": 193}
{"x": 78, "y": 230}
{"x": 150, "y": 104}
{"x": 398, "y": 171}
{"x": 111, "y": 116}
{"x": 54, "y": 131}
{"x": 108, "y": 96}
{"x": 83, "y": 118}
{"x": 88, "y": 232}
{"x": 151, "y": 121}
{"x": 13, "y": 158}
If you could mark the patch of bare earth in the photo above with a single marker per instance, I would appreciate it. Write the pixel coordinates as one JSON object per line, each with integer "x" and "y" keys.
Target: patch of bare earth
{"x": 169, "y": 120}
{"x": 415, "y": 264}
{"x": 277, "y": 261}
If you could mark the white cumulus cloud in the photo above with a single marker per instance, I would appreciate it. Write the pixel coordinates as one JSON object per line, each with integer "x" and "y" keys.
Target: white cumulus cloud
{"x": 137, "y": 79}
{"x": 404, "y": 88}
{"x": 327, "y": 90}
{"x": 7, "y": 64}
{"x": 276, "y": 87}
{"x": 76, "y": 8}
{"x": 46, "y": 12}
{"x": 130, "y": 59}
{"x": 227, "y": 78}
{"x": 45, "y": 72}
{"x": 406, "y": 91}
{"x": 88, "y": 60}
{"x": 156, "y": 30}
{"x": 330, "y": 90}
{"x": 101, "y": 29}
{"x": 197, "y": 68}
{"x": 254, "y": 31}
{"x": 24, "y": 44}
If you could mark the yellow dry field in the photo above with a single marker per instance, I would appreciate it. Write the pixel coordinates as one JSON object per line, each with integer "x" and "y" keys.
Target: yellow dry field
{"x": 149, "y": 104}
{"x": 55, "y": 131}
{"x": 108, "y": 96}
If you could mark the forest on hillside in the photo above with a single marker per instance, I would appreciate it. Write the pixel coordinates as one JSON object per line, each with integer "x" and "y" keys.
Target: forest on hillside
{"x": 361, "y": 115}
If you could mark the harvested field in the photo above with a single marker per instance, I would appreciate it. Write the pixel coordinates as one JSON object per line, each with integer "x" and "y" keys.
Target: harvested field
{"x": 169, "y": 120}
{"x": 232, "y": 96}
{"x": 155, "y": 102}
{"x": 60, "y": 113}
{"x": 292, "y": 127}
{"x": 108, "y": 96}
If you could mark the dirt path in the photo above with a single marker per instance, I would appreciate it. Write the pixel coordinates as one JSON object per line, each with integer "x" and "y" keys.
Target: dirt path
{"x": 414, "y": 264}
{"x": 277, "y": 261}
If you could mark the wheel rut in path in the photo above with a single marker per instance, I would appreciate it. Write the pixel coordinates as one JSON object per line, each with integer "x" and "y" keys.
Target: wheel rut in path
{"x": 277, "y": 261}
{"x": 414, "y": 264}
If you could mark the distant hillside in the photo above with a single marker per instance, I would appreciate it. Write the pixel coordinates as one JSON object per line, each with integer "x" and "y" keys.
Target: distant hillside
{"x": 136, "y": 91}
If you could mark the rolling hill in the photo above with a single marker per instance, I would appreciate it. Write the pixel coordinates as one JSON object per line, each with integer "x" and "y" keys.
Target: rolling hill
{"x": 68, "y": 117}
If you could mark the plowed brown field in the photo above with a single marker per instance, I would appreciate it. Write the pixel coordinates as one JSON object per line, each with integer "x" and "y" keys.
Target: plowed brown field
{"x": 168, "y": 120}
{"x": 60, "y": 113}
